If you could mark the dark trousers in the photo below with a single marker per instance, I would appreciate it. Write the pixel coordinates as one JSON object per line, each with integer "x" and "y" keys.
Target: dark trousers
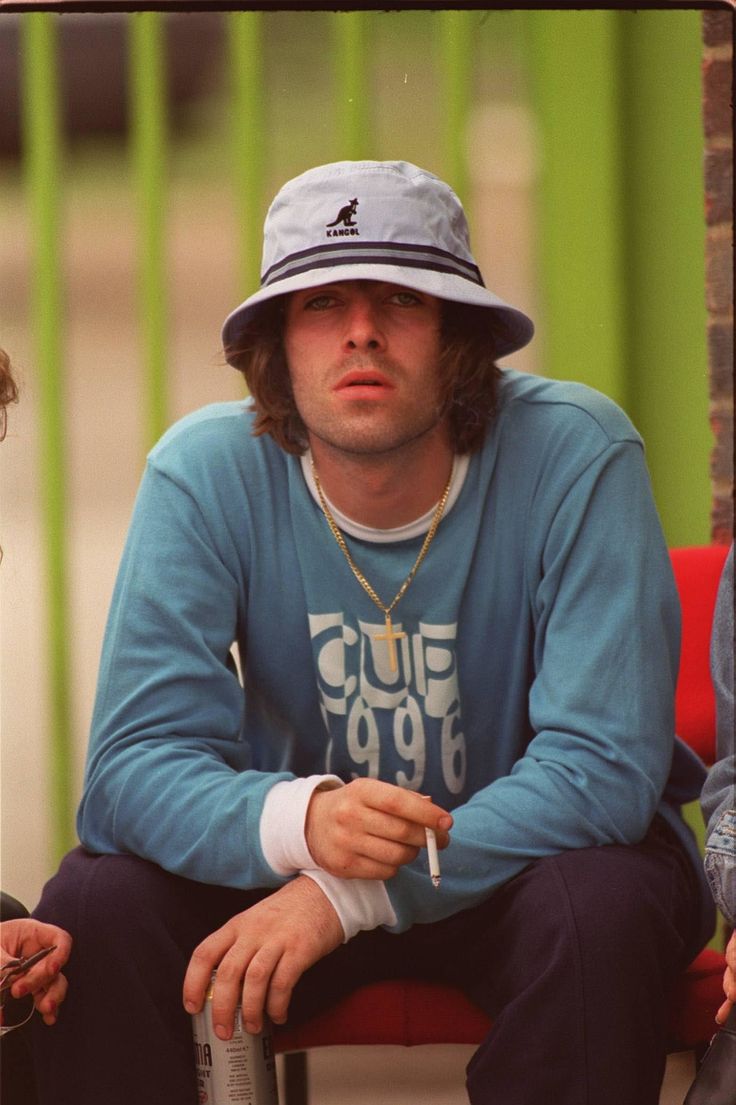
{"x": 574, "y": 959}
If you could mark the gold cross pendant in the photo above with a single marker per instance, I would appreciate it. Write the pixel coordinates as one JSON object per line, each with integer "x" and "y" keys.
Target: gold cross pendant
{"x": 390, "y": 637}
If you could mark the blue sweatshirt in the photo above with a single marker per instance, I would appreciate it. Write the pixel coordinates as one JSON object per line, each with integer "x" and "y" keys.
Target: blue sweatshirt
{"x": 534, "y": 695}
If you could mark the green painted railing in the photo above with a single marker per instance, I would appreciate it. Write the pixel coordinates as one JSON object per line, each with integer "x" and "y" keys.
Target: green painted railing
{"x": 352, "y": 93}
{"x": 664, "y": 279}
{"x": 617, "y": 103}
{"x": 576, "y": 94}
{"x": 247, "y": 127}
{"x": 455, "y": 62}
{"x": 621, "y": 231}
{"x": 43, "y": 174}
{"x": 147, "y": 83}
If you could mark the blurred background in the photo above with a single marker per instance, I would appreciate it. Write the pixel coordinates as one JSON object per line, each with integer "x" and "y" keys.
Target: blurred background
{"x": 138, "y": 154}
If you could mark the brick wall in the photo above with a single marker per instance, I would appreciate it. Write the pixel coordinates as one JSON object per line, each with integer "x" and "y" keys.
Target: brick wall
{"x": 718, "y": 126}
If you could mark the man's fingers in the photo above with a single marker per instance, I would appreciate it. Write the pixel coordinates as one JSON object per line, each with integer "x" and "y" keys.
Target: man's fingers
{"x": 267, "y": 988}
{"x": 387, "y": 826}
{"x": 242, "y": 976}
{"x": 204, "y": 960}
{"x": 269, "y": 984}
{"x": 256, "y": 986}
{"x": 380, "y": 837}
{"x": 381, "y": 861}
{"x": 284, "y": 979}
{"x": 47, "y": 1001}
{"x": 56, "y": 991}
{"x": 226, "y": 994}
{"x": 354, "y": 800}
{"x": 406, "y": 805}
{"x": 38, "y": 979}
{"x": 368, "y": 829}
{"x": 729, "y": 984}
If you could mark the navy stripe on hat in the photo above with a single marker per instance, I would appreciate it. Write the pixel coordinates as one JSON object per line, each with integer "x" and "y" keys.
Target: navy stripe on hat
{"x": 372, "y": 253}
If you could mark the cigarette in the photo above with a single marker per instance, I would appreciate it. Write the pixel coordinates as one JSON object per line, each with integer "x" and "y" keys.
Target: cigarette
{"x": 434, "y": 859}
{"x": 432, "y": 853}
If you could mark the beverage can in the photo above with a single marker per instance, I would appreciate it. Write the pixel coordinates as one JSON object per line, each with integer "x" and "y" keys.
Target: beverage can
{"x": 238, "y": 1071}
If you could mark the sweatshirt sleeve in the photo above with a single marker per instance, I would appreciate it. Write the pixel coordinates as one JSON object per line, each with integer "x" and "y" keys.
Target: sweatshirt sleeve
{"x": 601, "y": 691}
{"x": 170, "y": 772}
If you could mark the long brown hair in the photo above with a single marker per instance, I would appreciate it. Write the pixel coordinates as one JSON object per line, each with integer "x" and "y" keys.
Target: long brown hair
{"x": 468, "y": 374}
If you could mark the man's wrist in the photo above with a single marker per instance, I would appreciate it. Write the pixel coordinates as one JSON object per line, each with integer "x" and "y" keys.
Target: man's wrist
{"x": 359, "y": 903}
{"x": 283, "y": 839}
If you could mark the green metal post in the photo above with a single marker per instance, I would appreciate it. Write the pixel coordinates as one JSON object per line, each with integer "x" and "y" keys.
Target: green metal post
{"x": 248, "y": 130}
{"x": 622, "y": 236}
{"x": 43, "y": 173}
{"x": 148, "y": 153}
{"x": 353, "y": 96}
{"x": 573, "y": 69}
{"x": 665, "y": 272}
{"x": 456, "y": 56}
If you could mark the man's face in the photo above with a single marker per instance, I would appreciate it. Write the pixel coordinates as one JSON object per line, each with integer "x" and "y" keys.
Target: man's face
{"x": 363, "y": 358}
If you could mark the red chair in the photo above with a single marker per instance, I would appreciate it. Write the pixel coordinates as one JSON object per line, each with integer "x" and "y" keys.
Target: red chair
{"x": 409, "y": 1012}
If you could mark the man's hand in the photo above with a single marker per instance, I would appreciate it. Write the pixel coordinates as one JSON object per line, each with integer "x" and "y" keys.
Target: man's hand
{"x": 267, "y": 949}
{"x": 24, "y": 937}
{"x": 729, "y": 980}
{"x": 369, "y": 829}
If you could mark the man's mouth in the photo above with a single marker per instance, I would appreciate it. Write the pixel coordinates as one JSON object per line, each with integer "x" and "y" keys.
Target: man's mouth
{"x": 362, "y": 378}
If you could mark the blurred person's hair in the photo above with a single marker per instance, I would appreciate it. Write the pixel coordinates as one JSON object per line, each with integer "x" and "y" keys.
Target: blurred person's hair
{"x": 468, "y": 374}
{"x": 8, "y": 391}
{"x": 8, "y": 395}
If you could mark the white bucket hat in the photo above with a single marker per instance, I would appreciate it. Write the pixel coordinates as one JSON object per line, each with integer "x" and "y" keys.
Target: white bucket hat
{"x": 373, "y": 220}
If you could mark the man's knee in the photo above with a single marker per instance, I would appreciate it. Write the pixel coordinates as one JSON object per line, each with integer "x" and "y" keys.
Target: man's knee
{"x": 618, "y": 886}
{"x": 128, "y": 902}
{"x": 100, "y": 893}
{"x": 615, "y": 897}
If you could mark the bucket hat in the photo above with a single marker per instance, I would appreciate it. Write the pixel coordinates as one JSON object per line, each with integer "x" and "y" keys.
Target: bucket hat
{"x": 373, "y": 220}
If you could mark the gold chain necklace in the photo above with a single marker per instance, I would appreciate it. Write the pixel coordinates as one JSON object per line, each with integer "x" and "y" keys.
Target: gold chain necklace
{"x": 390, "y": 636}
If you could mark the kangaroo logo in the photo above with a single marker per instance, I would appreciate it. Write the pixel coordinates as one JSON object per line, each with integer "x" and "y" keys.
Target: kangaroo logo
{"x": 345, "y": 215}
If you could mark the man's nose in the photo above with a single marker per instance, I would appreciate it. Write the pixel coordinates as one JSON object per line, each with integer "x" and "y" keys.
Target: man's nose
{"x": 363, "y": 328}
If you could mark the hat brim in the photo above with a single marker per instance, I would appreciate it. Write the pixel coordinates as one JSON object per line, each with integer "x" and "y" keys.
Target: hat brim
{"x": 515, "y": 331}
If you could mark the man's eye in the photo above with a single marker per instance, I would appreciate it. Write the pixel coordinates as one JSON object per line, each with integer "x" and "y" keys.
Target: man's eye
{"x": 405, "y": 299}
{"x": 319, "y": 303}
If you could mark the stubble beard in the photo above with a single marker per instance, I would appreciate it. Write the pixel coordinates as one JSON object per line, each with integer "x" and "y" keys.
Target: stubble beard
{"x": 363, "y": 432}
{"x": 373, "y": 441}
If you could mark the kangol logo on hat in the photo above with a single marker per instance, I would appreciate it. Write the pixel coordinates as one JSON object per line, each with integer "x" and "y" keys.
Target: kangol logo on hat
{"x": 344, "y": 216}
{"x": 413, "y": 232}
